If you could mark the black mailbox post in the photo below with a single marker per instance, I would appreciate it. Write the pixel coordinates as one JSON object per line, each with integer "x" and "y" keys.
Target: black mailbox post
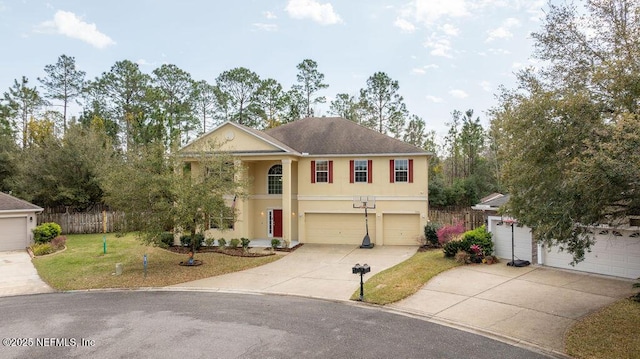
{"x": 361, "y": 269}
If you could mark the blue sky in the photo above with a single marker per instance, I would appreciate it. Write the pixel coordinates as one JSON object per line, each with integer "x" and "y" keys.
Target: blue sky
{"x": 446, "y": 54}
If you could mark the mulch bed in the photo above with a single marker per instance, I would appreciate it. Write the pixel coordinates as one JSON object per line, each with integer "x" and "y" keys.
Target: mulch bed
{"x": 237, "y": 252}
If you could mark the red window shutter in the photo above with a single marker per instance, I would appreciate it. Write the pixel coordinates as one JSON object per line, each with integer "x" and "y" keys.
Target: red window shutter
{"x": 392, "y": 171}
{"x": 369, "y": 171}
{"x": 330, "y": 171}
{"x": 410, "y": 171}
{"x": 351, "y": 169}
{"x": 313, "y": 171}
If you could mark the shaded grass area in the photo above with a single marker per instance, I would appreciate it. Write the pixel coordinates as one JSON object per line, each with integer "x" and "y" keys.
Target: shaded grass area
{"x": 406, "y": 278}
{"x": 84, "y": 265}
{"x": 613, "y": 332}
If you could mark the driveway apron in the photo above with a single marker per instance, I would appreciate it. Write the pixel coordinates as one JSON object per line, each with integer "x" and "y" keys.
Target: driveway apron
{"x": 18, "y": 276}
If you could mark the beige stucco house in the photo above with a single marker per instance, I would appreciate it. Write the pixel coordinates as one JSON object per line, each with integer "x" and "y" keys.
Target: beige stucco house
{"x": 304, "y": 176}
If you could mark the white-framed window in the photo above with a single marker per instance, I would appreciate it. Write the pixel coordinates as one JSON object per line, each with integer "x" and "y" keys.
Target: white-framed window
{"x": 401, "y": 170}
{"x": 361, "y": 171}
{"x": 322, "y": 171}
{"x": 274, "y": 180}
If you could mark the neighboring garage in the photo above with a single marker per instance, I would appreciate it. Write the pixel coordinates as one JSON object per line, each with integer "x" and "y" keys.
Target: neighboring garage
{"x": 400, "y": 229}
{"x": 338, "y": 228}
{"x": 17, "y": 219}
{"x": 615, "y": 253}
{"x": 523, "y": 244}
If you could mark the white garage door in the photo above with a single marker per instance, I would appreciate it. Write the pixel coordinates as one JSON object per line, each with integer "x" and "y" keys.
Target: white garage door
{"x": 611, "y": 255}
{"x": 13, "y": 234}
{"x": 401, "y": 229}
{"x": 338, "y": 228}
{"x": 501, "y": 236}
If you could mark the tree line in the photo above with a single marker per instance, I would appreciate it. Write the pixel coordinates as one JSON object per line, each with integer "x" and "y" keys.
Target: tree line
{"x": 128, "y": 110}
{"x": 169, "y": 106}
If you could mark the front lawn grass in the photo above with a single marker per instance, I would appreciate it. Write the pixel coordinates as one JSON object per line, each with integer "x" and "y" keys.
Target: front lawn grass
{"x": 406, "y": 278}
{"x": 84, "y": 265}
{"x": 610, "y": 333}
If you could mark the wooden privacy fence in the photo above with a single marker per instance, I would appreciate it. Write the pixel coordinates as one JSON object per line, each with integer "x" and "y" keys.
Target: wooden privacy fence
{"x": 449, "y": 216}
{"x": 83, "y": 222}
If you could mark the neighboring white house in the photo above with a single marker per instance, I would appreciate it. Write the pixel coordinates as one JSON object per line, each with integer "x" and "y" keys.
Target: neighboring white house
{"x": 17, "y": 220}
{"x": 615, "y": 253}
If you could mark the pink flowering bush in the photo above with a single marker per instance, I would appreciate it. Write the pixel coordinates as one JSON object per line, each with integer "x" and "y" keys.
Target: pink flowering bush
{"x": 447, "y": 233}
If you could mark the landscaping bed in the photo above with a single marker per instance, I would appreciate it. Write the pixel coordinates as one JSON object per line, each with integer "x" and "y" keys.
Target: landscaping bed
{"x": 236, "y": 252}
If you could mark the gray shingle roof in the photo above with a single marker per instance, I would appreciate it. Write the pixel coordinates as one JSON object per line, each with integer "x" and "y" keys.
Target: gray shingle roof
{"x": 336, "y": 135}
{"x": 11, "y": 203}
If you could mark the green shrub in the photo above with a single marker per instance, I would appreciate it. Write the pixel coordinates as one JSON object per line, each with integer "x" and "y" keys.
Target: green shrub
{"x": 481, "y": 238}
{"x": 245, "y": 243}
{"x": 42, "y": 249}
{"x": 222, "y": 242}
{"x": 209, "y": 241}
{"x": 199, "y": 239}
{"x": 452, "y": 247}
{"x": 234, "y": 243}
{"x": 275, "y": 243}
{"x": 186, "y": 241}
{"x": 431, "y": 234}
{"x": 166, "y": 239}
{"x": 478, "y": 236}
{"x": 45, "y": 232}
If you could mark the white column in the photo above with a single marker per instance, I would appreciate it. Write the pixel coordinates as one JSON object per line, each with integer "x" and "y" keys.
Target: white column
{"x": 286, "y": 200}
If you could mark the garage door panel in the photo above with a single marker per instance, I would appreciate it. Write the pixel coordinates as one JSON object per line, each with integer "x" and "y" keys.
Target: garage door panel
{"x": 401, "y": 229}
{"x": 338, "y": 228}
{"x": 13, "y": 233}
{"x": 522, "y": 240}
{"x": 610, "y": 255}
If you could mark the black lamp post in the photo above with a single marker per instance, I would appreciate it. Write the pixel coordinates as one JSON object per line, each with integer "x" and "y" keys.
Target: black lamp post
{"x": 361, "y": 269}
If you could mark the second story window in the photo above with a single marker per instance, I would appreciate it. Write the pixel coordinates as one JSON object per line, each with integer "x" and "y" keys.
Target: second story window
{"x": 274, "y": 180}
{"x": 322, "y": 171}
{"x": 360, "y": 171}
{"x": 401, "y": 170}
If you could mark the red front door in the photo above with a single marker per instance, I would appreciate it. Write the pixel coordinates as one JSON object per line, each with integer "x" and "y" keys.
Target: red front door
{"x": 277, "y": 223}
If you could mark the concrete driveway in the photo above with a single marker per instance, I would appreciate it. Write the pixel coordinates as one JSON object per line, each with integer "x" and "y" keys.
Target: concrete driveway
{"x": 529, "y": 305}
{"x": 533, "y": 304}
{"x": 313, "y": 270}
{"x": 18, "y": 276}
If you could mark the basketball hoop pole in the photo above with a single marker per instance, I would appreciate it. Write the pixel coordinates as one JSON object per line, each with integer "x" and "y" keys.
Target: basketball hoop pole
{"x": 366, "y": 241}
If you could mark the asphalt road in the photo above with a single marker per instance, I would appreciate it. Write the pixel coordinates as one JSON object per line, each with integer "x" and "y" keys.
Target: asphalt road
{"x": 147, "y": 324}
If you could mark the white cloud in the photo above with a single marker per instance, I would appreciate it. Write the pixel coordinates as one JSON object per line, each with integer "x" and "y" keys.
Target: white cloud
{"x": 457, "y": 93}
{"x": 269, "y": 15}
{"x": 450, "y": 30}
{"x": 499, "y": 51}
{"x": 504, "y": 30}
{"x": 486, "y": 86}
{"x": 439, "y": 46}
{"x": 434, "y": 99}
{"x": 142, "y": 62}
{"x": 266, "y": 27}
{"x": 430, "y": 11}
{"x": 423, "y": 70}
{"x": 311, "y": 9}
{"x": 404, "y": 25}
{"x": 68, "y": 24}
